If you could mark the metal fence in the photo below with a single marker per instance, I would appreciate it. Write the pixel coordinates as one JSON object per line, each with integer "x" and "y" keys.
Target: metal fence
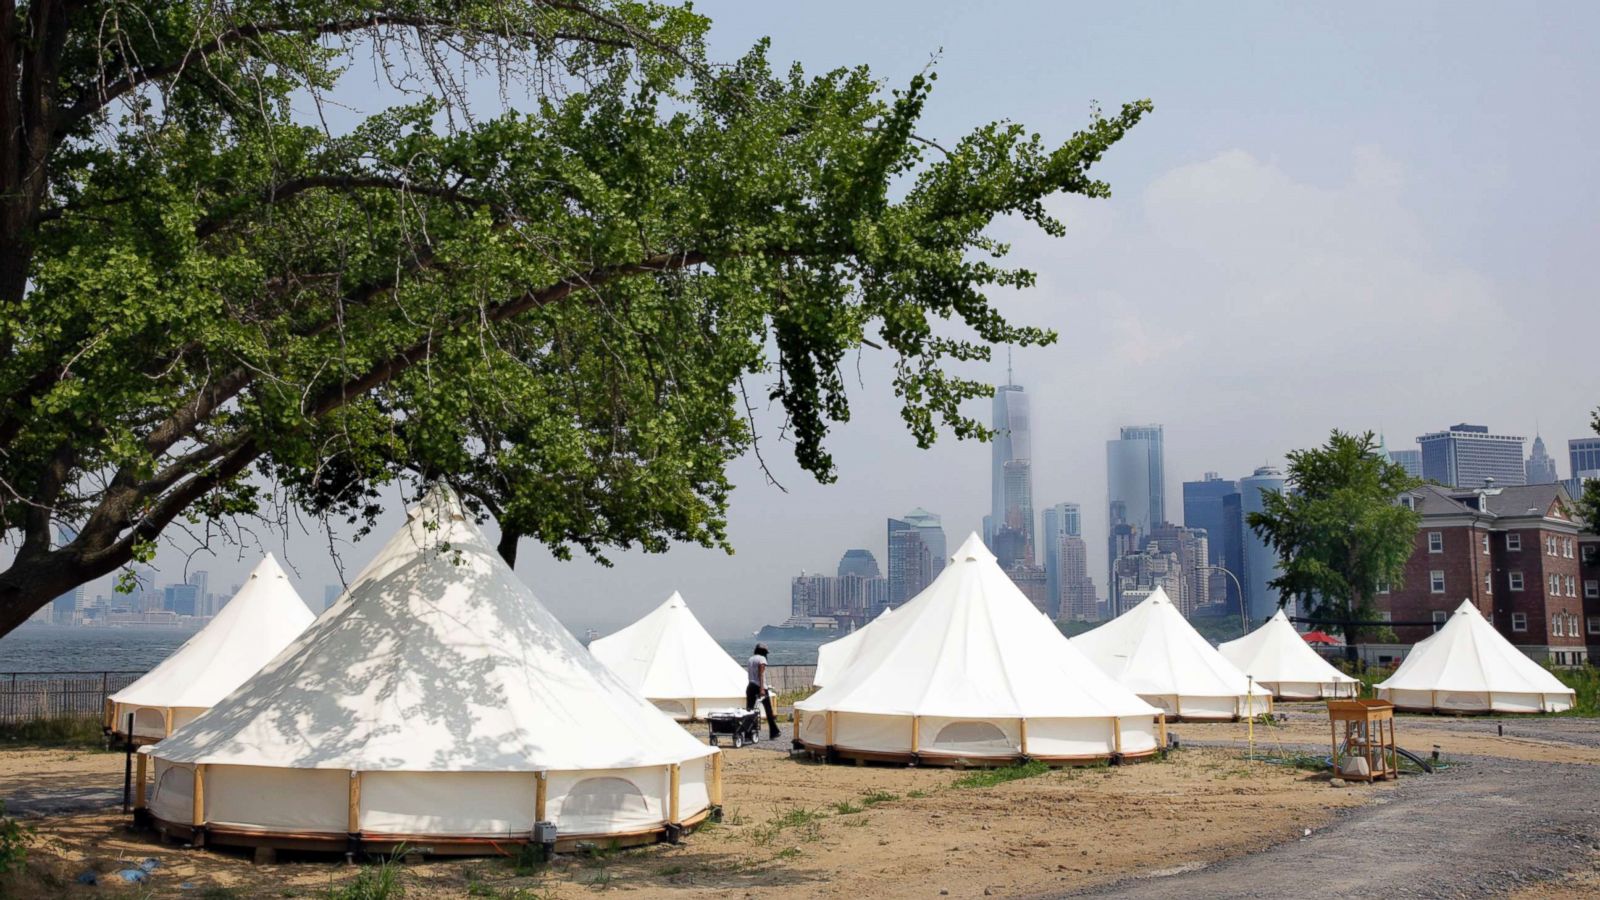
{"x": 790, "y": 678}
{"x": 25, "y": 696}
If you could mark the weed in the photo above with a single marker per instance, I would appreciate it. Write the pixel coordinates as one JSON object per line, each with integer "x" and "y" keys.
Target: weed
{"x": 599, "y": 881}
{"x": 14, "y": 840}
{"x": 375, "y": 882}
{"x": 669, "y": 871}
{"x": 845, "y": 808}
{"x": 990, "y": 777}
{"x": 857, "y": 823}
{"x": 917, "y": 794}
{"x": 788, "y": 853}
{"x": 797, "y": 817}
{"x": 75, "y": 732}
{"x": 528, "y": 859}
{"x": 1585, "y": 682}
{"x": 873, "y": 798}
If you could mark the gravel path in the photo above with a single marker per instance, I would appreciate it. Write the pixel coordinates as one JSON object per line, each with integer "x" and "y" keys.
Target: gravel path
{"x": 1482, "y": 829}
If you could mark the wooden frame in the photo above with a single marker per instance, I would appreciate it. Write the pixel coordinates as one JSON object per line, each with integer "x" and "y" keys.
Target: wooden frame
{"x": 199, "y": 817}
{"x": 353, "y": 822}
{"x": 673, "y": 780}
{"x": 716, "y": 779}
{"x": 1364, "y": 731}
{"x": 541, "y": 795}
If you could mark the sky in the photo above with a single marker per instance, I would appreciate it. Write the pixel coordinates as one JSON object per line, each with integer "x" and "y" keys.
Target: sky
{"x": 1355, "y": 215}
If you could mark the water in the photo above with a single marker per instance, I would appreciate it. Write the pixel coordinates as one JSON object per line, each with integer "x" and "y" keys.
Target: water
{"x": 57, "y": 648}
{"x": 54, "y": 648}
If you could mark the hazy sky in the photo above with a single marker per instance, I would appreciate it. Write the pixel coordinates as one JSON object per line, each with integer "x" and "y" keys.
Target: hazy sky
{"x": 1339, "y": 215}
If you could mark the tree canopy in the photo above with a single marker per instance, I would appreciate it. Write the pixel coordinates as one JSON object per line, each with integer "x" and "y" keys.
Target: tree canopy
{"x": 211, "y": 301}
{"x": 1589, "y": 498}
{"x": 1339, "y": 528}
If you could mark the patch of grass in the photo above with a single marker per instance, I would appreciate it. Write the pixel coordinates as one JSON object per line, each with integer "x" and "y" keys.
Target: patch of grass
{"x": 845, "y": 808}
{"x": 1309, "y": 762}
{"x": 797, "y": 817}
{"x": 528, "y": 859}
{"x": 917, "y": 794}
{"x": 873, "y": 798}
{"x": 380, "y": 881}
{"x": 669, "y": 871}
{"x": 857, "y": 823}
{"x": 599, "y": 881}
{"x": 74, "y": 732}
{"x": 788, "y": 853}
{"x": 218, "y": 892}
{"x": 984, "y": 778}
{"x": 14, "y": 840}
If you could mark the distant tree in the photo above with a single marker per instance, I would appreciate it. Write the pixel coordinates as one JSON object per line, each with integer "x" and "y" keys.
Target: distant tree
{"x": 1339, "y": 529}
{"x": 1589, "y": 500}
{"x": 214, "y": 303}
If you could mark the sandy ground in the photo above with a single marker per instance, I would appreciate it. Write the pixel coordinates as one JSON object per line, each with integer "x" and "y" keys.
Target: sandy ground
{"x": 792, "y": 828}
{"x": 796, "y": 828}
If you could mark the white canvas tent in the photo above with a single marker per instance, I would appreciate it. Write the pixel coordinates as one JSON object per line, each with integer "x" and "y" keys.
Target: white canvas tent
{"x": 437, "y": 703}
{"x": 671, "y": 659}
{"x": 965, "y": 672}
{"x": 1281, "y": 661}
{"x": 1469, "y": 667}
{"x": 836, "y": 655}
{"x": 1153, "y": 651}
{"x": 261, "y": 619}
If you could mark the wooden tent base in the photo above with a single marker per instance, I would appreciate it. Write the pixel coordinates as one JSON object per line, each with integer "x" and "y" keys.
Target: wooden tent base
{"x": 425, "y": 844}
{"x": 951, "y": 760}
{"x": 1436, "y": 711}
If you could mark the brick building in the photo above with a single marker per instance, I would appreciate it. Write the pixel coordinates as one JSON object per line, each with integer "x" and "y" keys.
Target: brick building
{"x": 1589, "y": 571}
{"x": 1514, "y": 552}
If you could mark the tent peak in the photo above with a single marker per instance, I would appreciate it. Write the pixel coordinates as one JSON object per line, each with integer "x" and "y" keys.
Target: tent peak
{"x": 439, "y": 502}
{"x": 972, "y": 550}
{"x": 675, "y": 601}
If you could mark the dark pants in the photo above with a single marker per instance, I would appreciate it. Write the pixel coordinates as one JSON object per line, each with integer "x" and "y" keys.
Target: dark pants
{"x": 751, "y": 693}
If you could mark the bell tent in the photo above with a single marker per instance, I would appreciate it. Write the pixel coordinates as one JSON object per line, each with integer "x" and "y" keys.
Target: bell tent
{"x": 837, "y": 655}
{"x": 964, "y": 673}
{"x": 1469, "y": 667}
{"x": 261, "y": 619}
{"x": 437, "y": 703}
{"x": 1281, "y": 661}
{"x": 1153, "y": 651}
{"x": 671, "y": 659}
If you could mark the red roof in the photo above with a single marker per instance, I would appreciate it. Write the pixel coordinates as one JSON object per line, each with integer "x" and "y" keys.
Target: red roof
{"x": 1320, "y": 637}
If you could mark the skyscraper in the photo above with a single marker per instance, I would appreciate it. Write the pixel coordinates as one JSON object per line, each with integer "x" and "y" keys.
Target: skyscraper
{"x": 1260, "y": 561}
{"x": 1135, "y": 482}
{"x": 916, "y": 554}
{"x": 1204, "y": 508}
{"x": 858, "y": 562}
{"x": 1410, "y": 460}
{"x": 201, "y": 579}
{"x": 1467, "y": 456}
{"x": 1584, "y": 455}
{"x": 1057, "y": 522}
{"x": 1078, "y": 602}
{"x": 183, "y": 599}
{"x": 1011, "y": 498}
{"x": 1540, "y": 465}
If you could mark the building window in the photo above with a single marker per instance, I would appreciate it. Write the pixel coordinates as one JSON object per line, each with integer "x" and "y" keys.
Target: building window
{"x": 1383, "y": 587}
{"x": 1516, "y": 581}
{"x": 1594, "y": 624}
{"x": 1572, "y": 586}
{"x": 1513, "y": 540}
{"x": 1555, "y": 586}
{"x": 1488, "y": 584}
{"x": 1384, "y": 615}
{"x": 1591, "y": 589}
{"x": 1436, "y": 581}
{"x": 1558, "y": 625}
{"x": 1519, "y": 621}
{"x": 1566, "y": 548}
{"x": 1591, "y": 554}
{"x": 1439, "y": 616}
{"x": 1435, "y": 542}
{"x": 1485, "y": 545}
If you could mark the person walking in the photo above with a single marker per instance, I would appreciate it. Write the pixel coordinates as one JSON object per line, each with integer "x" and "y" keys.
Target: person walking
{"x": 758, "y": 689}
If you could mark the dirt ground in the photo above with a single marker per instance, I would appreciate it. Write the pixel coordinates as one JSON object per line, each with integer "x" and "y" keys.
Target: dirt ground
{"x": 795, "y": 828}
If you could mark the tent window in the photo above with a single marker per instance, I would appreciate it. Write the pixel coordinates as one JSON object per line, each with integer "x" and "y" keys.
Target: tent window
{"x": 1519, "y": 621}
{"x": 971, "y": 734}
{"x": 604, "y": 797}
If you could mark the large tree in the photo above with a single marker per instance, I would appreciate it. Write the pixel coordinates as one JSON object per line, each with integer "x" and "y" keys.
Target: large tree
{"x": 1339, "y": 529}
{"x": 214, "y": 304}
